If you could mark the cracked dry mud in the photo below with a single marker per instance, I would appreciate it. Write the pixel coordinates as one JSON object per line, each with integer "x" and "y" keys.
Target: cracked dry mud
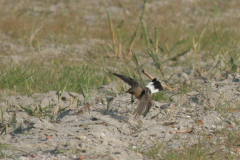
{"x": 87, "y": 129}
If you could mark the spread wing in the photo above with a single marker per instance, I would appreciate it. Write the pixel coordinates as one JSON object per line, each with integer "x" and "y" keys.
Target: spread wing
{"x": 145, "y": 104}
{"x": 128, "y": 80}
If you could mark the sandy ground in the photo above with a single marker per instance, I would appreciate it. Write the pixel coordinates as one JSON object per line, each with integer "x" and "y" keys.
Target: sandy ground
{"x": 91, "y": 131}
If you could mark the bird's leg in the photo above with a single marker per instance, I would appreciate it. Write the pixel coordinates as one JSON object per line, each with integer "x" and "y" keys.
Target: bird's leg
{"x": 132, "y": 99}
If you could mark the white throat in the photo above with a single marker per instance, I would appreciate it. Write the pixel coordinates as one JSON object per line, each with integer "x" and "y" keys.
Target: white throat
{"x": 152, "y": 88}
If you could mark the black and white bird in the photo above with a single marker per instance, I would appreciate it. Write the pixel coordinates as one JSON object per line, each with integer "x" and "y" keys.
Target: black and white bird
{"x": 144, "y": 94}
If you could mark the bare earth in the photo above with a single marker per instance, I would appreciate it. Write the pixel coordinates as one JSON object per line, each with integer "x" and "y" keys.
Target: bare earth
{"x": 87, "y": 130}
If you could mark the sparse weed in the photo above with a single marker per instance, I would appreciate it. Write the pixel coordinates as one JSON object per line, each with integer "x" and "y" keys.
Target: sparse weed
{"x": 199, "y": 151}
{"x": 160, "y": 96}
{"x": 37, "y": 111}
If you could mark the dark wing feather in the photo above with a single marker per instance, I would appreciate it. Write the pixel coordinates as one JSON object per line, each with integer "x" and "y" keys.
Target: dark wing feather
{"x": 128, "y": 80}
{"x": 144, "y": 105}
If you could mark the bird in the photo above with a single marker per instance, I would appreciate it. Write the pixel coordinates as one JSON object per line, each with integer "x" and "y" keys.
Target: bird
{"x": 144, "y": 94}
